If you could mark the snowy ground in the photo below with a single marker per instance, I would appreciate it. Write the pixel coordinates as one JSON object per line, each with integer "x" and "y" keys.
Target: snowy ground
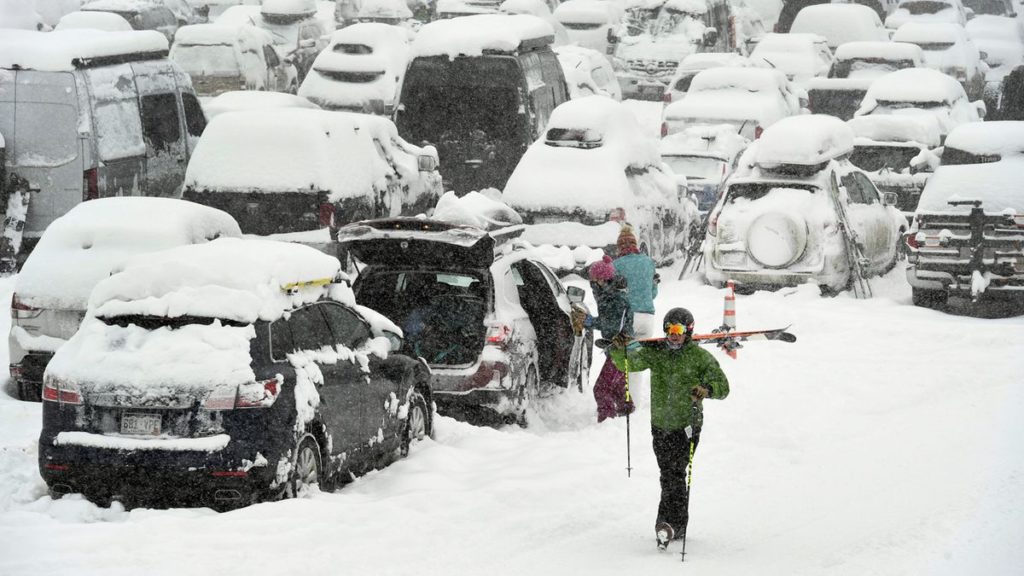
{"x": 887, "y": 440}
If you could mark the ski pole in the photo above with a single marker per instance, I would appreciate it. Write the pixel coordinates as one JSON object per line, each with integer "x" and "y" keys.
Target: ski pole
{"x": 689, "y": 479}
{"x": 629, "y": 399}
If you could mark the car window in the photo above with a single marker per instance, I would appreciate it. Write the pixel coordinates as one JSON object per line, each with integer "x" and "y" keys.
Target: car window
{"x": 853, "y": 189}
{"x": 867, "y": 188}
{"x": 600, "y": 77}
{"x": 160, "y": 124}
{"x": 270, "y": 55}
{"x": 348, "y": 328}
{"x": 281, "y": 343}
{"x": 309, "y": 329}
{"x": 195, "y": 121}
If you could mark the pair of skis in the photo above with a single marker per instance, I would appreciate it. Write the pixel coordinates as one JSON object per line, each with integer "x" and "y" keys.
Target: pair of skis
{"x": 725, "y": 339}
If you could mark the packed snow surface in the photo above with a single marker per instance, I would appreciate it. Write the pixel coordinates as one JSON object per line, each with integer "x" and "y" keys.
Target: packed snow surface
{"x": 57, "y": 51}
{"x": 471, "y": 35}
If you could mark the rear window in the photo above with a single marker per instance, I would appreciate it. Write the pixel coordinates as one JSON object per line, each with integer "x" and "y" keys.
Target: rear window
{"x": 935, "y": 46}
{"x": 354, "y": 49}
{"x": 581, "y": 25}
{"x": 875, "y": 158}
{"x": 757, "y": 190}
{"x": 954, "y": 156}
{"x": 155, "y": 322}
{"x": 351, "y": 77}
{"x": 573, "y": 137}
{"x": 924, "y": 7}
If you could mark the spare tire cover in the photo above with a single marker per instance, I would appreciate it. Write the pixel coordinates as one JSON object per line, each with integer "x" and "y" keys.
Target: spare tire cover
{"x": 776, "y": 240}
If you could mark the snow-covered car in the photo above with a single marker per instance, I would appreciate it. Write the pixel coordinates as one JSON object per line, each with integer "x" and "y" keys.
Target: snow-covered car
{"x": 238, "y": 100}
{"x": 591, "y": 24}
{"x": 966, "y": 237}
{"x": 389, "y": 12}
{"x": 1000, "y": 41}
{"x": 300, "y": 170}
{"x": 921, "y": 91}
{"x": 361, "y": 69}
{"x": 224, "y": 58}
{"x": 798, "y": 211}
{"x": 540, "y": 9}
{"x": 750, "y": 99}
{"x": 840, "y": 23}
{"x": 897, "y": 153}
{"x": 705, "y": 157}
{"x": 250, "y": 372}
{"x": 164, "y": 16}
{"x": 297, "y": 30}
{"x": 90, "y": 242}
{"x": 661, "y": 33}
{"x": 991, "y": 8}
{"x": 238, "y": 14}
{"x": 679, "y": 85}
{"x": 948, "y": 49}
{"x": 587, "y": 72}
{"x": 790, "y": 9}
{"x": 856, "y": 66}
{"x": 491, "y": 321}
{"x": 799, "y": 56}
{"x": 927, "y": 11}
{"x": 595, "y": 167}
{"x": 106, "y": 21}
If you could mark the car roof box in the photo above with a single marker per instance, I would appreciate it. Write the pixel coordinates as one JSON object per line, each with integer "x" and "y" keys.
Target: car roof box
{"x": 423, "y": 242}
{"x": 806, "y": 140}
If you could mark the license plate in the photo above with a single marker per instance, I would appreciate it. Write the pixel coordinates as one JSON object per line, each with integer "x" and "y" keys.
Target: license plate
{"x": 140, "y": 424}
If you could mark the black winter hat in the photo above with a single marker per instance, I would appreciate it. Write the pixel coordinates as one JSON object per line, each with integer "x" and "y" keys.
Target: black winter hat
{"x": 678, "y": 316}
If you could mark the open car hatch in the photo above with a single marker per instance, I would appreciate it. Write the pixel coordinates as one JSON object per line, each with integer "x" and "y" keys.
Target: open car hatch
{"x": 422, "y": 242}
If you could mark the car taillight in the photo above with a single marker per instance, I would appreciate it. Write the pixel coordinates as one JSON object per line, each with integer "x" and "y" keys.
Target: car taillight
{"x": 498, "y": 334}
{"x": 617, "y": 215}
{"x": 911, "y": 240}
{"x": 713, "y": 224}
{"x": 326, "y": 214}
{"x": 16, "y": 371}
{"x": 757, "y": 132}
{"x": 666, "y": 98}
{"x": 63, "y": 392}
{"x": 664, "y": 129}
{"x": 257, "y": 394}
{"x": 21, "y": 310}
{"x": 90, "y": 185}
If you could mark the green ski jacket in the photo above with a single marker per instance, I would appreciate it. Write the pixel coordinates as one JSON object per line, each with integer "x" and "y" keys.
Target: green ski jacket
{"x": 674, "y": 373}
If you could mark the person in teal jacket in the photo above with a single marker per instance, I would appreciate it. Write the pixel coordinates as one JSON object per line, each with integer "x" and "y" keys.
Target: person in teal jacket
{"x": 641, "y": 279}
{"x": 682, "y": 375}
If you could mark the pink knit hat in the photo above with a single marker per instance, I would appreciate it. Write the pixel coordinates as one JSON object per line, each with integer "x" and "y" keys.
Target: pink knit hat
{"x": 602, "y": 270}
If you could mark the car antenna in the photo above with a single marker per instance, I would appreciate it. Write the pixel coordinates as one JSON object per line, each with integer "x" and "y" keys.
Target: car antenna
{"x": 770, "y": 63}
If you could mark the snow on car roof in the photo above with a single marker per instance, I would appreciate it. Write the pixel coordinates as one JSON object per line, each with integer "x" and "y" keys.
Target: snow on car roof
{"x": 107, "y": 21}
{"x": 288, "y": 7}
{"x": 879, "y": 51}
{"x": 996, "y": 184}
{"x": 727, "y": 106}
{"x": 63, "y": 50}
{"x": 913, "y": 85}
{"x": 774, "y": 42}
{"x": 484, "y": 210}
{"x": 721, "y": 141}
{"x": 384, "y": 9}
{"x": 583, "y": 12}
{"x": 535, "y": 7}
{"x": 372, "y": 34}
{"x": 238, "y": 100}
{"x": 472, "y": 35}
{"x": 984, "y": 138}
{"x": 96, "y": 238}
{"x": 920, "y": 129}
{"x": 292, "y": 150}
{"x": 389, "y": 47}
{"x": 738, "y": 79}
{"x": 228, "y": 278}
{"x": 805, "y": 140}
{"x": 928, "y": 33}
{"x": 840, "y": 23}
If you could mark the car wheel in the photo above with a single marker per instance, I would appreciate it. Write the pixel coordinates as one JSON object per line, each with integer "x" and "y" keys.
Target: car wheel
{"x": 417, "y": 423}
{"x": 306, "y": 468}
{"x": 928, "y": 298}
{"x": 29, "y": 391}
{"x": 527, "y": 394}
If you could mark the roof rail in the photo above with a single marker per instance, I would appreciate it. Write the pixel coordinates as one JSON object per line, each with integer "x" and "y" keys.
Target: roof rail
{"x": 97, "y": 61}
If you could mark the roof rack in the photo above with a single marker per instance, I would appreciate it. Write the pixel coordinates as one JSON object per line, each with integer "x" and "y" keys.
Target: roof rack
{"x": 97, "y": 61}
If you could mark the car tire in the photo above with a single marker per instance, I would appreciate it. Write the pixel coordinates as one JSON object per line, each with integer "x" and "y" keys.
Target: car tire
{"x": 30, "y": 391}
{"x": 417, "y": 423}
{"x": 924, "y": 298}
{"x": 307, "y": 468}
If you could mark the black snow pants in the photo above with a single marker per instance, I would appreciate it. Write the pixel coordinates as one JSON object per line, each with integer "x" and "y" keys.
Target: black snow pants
{"x": 672, "y": 449}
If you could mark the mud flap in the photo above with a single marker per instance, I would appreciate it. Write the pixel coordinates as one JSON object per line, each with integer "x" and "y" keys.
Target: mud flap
{"x": 17, "y": 195}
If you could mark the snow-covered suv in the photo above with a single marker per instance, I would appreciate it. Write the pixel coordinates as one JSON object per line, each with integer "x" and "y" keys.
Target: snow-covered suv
{"x": 223, "y": 373}
{"x": 798, "y": 211}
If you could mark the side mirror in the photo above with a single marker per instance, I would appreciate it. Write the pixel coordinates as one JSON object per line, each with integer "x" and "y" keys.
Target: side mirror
{"x": 613, "y": 38}
{"x": 983, "y": 55}
{"x": 307, "y": 43}
{"x": 427, "y": 163}
{"x": 710, "y": 36}
{"x": 394, "y": 340}
{"x": 969, "y": 13}
{"x": 979, "y": 105}
{"x": 575, "y": 294}
{"x": 889, "y": 198}
{"x": 376, "y": 106}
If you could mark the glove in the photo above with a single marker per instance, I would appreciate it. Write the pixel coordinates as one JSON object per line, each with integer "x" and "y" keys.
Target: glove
{"x": 578, "y": 318}
{"x": 621, "y": 340}
{"x": 699, "y": 392}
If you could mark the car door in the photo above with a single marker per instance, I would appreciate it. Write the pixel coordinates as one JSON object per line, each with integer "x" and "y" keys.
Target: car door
{"x": 884, "y": 230}
{"x": 863, "y": 218}
{"x": 275, "y": 74}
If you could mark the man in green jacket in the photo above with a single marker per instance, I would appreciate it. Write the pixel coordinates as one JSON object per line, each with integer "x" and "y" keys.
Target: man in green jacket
{"x": 682, "y": 375}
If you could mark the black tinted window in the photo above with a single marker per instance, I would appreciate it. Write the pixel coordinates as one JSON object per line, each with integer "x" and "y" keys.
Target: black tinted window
{"x": 309, "y": 329}
{"x": 281, "y": 343}
{"x": 348, "y": 328}
{"x": 160, "y": 124}
{"x": 195, "y": 120}
{"x": 867, "y": 189}
{"x": 955, "y": 156}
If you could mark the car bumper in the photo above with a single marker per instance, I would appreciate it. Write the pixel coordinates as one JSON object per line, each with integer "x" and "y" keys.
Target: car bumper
{"x": 960, "y": 284}
{"x": 827, "y": 274}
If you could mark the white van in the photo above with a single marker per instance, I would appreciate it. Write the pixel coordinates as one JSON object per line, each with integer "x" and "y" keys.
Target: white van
{"x": 87, "y": 114}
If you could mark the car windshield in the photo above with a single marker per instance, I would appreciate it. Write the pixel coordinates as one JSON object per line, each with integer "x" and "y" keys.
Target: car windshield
{"x": 901, "y": 105}
{"x": 954, "y": 156}
{"x": 154, "y": 322}
{"x": 701, "y": 167}
{"x": 935, "y": 46}
{"x": 839, "y": 103}
{"x": 924, "y": 7}
{"x": 684, "y": 81}
{"x": 756, "y": 190}
{"x": 989, "y": 7}
{"x": 206, "y": 60}
{"x": 875, "y": 158}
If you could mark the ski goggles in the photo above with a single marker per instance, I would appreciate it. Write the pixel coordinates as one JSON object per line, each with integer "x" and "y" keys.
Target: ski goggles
{"x": 677, "y": 329}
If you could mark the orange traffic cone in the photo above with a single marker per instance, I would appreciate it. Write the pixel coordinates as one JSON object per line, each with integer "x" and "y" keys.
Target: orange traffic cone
{"x": 729, "y": 314}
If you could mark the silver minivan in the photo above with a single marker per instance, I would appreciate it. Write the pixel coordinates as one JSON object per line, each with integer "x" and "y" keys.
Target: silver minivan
{"x": 87, "y": 114}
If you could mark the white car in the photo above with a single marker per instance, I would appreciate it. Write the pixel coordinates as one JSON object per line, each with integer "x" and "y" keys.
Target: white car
{"x": 594, "y": 168}
{"x": 856, "y": 66}
{"x": 799, "y": 56}
{"x": 224, "y": 58}
{"x": 749, "y": 99}
{"x": 588, "y": 72}
{"x": 703, "y": 158}
{"x": 694, "y": 63}
{"x": 590, "y": 23}
{"x": 922, "y": 91}
{"x": 927, "y": 11}
{"x": 840, "y": 23}
{"x": 798, "y": 211}
{"x": 948, "y": 49}
{"x": 361, "y": 69}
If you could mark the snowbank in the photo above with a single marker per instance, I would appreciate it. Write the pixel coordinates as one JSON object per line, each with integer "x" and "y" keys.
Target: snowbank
{"x": 840, "y": 23}
{"x": 58, "y": 51}
{"x": 1005, "y": 138}
{"x": 471, "y": 35}
{"x": 807, "y": 140}
{"x": 923, "y": 130}
{"x": 106, "y": 21}
{"x": 481, "y": 209}
{"x": 96, "y": 238}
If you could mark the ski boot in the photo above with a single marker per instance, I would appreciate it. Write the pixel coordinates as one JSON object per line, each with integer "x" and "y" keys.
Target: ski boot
{"x": 664, "y": 533}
